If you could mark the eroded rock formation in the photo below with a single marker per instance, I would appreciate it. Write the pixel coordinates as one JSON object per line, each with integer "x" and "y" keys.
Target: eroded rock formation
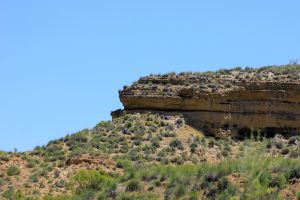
{"x": 224, "y": 103}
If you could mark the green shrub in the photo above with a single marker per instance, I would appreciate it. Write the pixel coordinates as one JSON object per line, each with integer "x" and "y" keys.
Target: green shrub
{"x": 298, "y": 195}
{"x": 2, "y": 182}
{"x": 92, "y": 179}
{"x": 9, "y": 193}
{"x": 30, "y": 164}
{"x": 34, "y": 178}
{"x": 225, "y": 153}
{"x": 180, "y": 190}
{"x": 134, "y": 154}
{"x": 123, "y": 163}
{"x": 295, "y": 153}
{"x": 176, "y": 144}
{"x": 228, "y": 85}
{"x": 133, "y": 185}
{"x": 193, "y": 147}
{"x": 293, "y": 171}
{"x": 279, "y": 145}
{"x": 277, "y": 181}
{"x": 269, "y": 144}
{"x": 155, "y": 142}
{"x": 43, "y": 173}
{"x": 211, "y": 142}
{"x": 4, "y": 156}
{"x": 168, "y": 134}
{"x": 13, "y": 170}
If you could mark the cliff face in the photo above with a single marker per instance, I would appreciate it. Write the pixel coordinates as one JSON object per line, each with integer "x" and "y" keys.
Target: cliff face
{"x": 228, "y": 102}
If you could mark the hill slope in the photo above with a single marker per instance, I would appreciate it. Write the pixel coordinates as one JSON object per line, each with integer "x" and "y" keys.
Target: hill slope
{"x": 156, "y": 155}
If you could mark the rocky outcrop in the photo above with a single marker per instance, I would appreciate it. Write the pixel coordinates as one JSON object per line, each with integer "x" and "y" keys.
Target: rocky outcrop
{"x": 89, "y": 161}
{"x": 231, "y": 103}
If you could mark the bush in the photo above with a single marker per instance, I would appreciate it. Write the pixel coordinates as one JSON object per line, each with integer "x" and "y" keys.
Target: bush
{"x": 176, "y": 144}
{"x": 295, "y": 153}
{"x": 279, "y": 145}
{"x": 134, "y": 154}
{"x": 13, "y": 170}
{"x": 227, "y": 85}
{"x": 4, "y": 157}
{"x": 211, "y": 143}
{"x": 155, "y": 142}
{"x": 293, "y": 171}
{"x": 277, "y": 181}
{"x": 225, "y": 153}
{"x": 211, "y": 177}
{"x": 30, "y": 164}
{"x": 43, "y": 173}
{"x": 180, "y": 190}
{"x": 34, "y": 178}
{"x": 193, "y": 147}
{"x": 269, "y": 144}
{"x": 9, "y": 193}
{"x": 121, "y": 163}
{"x": 92, "y": 179}
{"x": 2, "y": 182}
{"x": 298, "y": 195}
{"x": 168, "y": 134}
{"x": 223, "y": 183}
{"x": 133, "y": 185}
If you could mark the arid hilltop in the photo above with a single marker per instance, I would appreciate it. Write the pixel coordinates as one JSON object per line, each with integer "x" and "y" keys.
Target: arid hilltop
{"x": 162, "y": 146}
{"x": 233, "y": 102}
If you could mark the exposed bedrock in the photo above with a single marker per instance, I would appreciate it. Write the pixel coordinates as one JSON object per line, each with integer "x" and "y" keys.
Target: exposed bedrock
{"x": 280, "y": 99}
{"x": 244, "y": 108}
{"x": 235, "y": 124}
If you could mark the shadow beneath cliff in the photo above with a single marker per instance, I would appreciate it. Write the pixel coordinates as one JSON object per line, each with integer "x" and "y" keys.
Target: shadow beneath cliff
{"x": 217, "y": 128}
{"x": 268, "y": 132}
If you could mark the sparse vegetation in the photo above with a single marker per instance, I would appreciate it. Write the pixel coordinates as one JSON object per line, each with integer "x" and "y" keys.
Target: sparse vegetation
{"x": 211, "y": 82}
{"x": 158, "y": 156}
{"x": 244, "y": 169}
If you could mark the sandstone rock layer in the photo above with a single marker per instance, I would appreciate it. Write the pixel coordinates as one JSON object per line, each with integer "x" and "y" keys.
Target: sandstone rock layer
{"x": 241, "y": 107}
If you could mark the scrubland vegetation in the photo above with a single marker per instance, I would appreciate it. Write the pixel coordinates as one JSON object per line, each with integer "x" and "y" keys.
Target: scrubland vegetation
{"x": 154, "y": 157}
{"x": 223, "y": 80}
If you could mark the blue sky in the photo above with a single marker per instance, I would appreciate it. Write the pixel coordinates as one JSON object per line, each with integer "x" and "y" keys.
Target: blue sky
{"x": 63, "y": 62}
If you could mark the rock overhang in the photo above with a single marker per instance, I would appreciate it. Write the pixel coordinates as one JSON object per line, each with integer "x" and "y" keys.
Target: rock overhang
{"x": 223, "y": 103}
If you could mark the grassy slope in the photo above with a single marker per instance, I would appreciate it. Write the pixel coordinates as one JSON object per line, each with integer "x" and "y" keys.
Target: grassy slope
{"x": 153, "y": 157}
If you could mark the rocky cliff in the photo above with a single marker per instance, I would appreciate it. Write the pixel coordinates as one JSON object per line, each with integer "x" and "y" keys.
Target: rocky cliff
{"x": 235, "y": 102}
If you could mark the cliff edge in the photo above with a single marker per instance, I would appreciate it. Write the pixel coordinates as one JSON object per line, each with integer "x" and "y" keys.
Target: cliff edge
{"x": 236, "y": 102}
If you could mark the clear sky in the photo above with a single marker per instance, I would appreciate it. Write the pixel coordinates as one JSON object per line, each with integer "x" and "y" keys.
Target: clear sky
{"x": 62, "y": 62}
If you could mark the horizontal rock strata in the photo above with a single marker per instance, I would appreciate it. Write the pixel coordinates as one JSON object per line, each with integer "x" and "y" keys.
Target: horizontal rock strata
{"x": 224, "y": 105}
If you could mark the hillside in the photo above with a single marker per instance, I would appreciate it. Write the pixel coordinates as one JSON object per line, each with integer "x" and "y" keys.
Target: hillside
{"x": 178, "y": 137}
